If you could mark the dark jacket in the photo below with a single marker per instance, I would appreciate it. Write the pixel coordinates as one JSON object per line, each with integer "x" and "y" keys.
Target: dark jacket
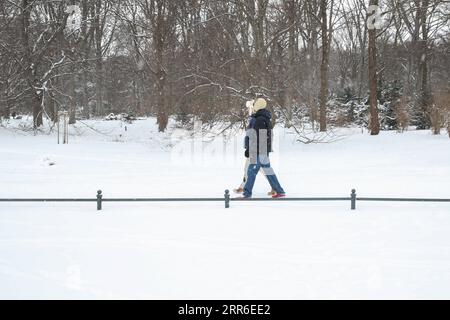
{"x": 261, "y": 120}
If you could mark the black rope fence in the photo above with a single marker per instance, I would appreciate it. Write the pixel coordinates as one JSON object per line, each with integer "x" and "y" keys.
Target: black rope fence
{"x": 99, "y": 199}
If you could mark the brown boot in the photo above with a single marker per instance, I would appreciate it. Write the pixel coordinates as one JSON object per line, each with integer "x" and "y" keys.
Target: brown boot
{"x": 238, "y": 190}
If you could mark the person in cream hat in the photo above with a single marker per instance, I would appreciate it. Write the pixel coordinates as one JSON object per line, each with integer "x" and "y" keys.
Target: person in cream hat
{"x": 259, "y": 104}
{"x": 239, "y": 190}
{"x": 258, "y": 145}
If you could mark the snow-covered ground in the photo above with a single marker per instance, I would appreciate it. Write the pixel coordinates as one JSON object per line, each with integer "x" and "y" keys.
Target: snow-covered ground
{"x": 254, "y": 250}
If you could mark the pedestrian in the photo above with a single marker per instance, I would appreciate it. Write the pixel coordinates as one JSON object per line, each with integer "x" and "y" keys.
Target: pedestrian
{"x": 240, "y": 189}
{"x": 258, "y": 145}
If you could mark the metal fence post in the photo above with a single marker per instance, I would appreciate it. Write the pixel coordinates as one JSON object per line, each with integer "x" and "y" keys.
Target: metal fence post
{"x": 99, "y": 199}
{"x": 227, "y": 199}
{"x": 353, "y": 199}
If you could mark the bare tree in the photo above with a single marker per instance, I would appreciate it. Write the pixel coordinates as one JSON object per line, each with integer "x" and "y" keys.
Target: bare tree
{"x": 324, "y": 66}
{"x": 373, "y": 100}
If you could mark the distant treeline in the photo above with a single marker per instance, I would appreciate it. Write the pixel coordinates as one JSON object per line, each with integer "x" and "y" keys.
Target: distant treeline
{"x": 327, "y": 62}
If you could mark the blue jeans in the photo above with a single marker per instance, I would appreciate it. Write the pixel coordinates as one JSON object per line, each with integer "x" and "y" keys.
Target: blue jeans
{"x": 263, "y": 162}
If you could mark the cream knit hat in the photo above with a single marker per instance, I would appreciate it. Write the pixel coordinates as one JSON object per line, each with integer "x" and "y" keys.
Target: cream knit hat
{"x": 259, "y": 104}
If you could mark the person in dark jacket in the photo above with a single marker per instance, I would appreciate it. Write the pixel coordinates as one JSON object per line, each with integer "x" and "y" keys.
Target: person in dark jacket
{"x": 240, "y": 189}
{"x": 258, "y": 145}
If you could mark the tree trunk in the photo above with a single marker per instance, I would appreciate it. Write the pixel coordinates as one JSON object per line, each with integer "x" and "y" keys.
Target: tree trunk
{"x": 162, "y": 116}
{"x": 36, "y": 101}
{"x": 35, "y": 95}
{"x": 52, "y": 111}
{"x": 292, "y": 50}
{"x": 158, "y": 38}
{"x": 5, "y": 113}
{"x": 98, "y": 59}
{"x": 324, "y": 67}
{"x": 73, "y": 100}
{"x": 374, "y": 125}
{"x": 85, "y": 56}
{"x": 425, "y": 99}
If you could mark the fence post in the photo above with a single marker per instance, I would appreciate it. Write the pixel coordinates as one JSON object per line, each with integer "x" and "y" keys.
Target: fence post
{"x": 353, "y": 199}
{"x": 99, "y": 199}
{"x": 227, "y": 199}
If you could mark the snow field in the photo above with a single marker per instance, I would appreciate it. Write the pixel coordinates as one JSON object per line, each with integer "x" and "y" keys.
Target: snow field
{"x": 254, "y": 250}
